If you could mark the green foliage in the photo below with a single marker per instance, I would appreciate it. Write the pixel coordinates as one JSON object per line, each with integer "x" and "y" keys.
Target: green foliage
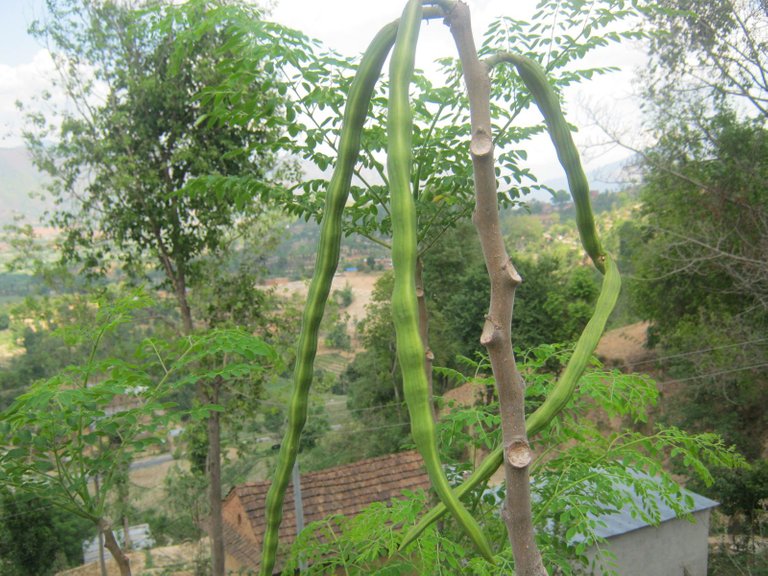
{"x": 36, "y": 538}
{"x": 88, "y": 419}
{"x": 699, "y": 255}
{"x": 343, "y": 296}
{"x": 338, "y": 337}
{"x": 315, "y": 429}
{"x": 581, "y": 473}
{"x": 40, "y": 326}
{"x": 186, "y": 506}
{"x": 700, "y": 272}
{"x": 741, "y": 494}
{"x": 317, "y": 80}
{"x": 553, "y": 304}
{"x": 366, "y": 544}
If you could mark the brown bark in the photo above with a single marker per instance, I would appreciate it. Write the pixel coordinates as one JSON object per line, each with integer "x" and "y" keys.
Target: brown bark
{"x": 496, "y": 336}
{"x": 110, "y": 542}
{"x": 178, "y": 282}
{"x": 215, "y": 528}
{"x": 126, "y": 533}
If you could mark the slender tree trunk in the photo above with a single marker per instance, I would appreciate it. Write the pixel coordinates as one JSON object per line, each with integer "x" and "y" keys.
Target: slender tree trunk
{"x": 496, "y": 336}
{"x": 102, "y": 560}
{"x": 123, "y": 562}
{"x": 126, "y": 534}
{"x": 213, "y": 459}
{"x": 181, "y": 296}
{"x": 216, "y": 531}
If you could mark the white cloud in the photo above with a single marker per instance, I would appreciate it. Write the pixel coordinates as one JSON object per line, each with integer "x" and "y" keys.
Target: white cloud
{"x": 23, "y": 83}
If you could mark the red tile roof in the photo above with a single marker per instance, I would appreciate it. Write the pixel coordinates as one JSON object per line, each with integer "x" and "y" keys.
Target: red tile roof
{"x": 341, "y": 490}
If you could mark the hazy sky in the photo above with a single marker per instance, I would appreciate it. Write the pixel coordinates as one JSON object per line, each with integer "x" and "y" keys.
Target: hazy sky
{"x": 347, "y": 26}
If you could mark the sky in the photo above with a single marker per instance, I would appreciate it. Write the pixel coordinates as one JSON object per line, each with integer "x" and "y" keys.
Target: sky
{"x": 346, "y": 26}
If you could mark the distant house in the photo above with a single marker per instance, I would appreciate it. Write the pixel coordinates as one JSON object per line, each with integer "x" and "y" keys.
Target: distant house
{"x": 676, "y": 547}
{"x": 341, "y": 490}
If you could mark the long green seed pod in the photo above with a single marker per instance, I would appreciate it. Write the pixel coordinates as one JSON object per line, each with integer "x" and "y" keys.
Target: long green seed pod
{"x": 556, "y": 400}
{"x": 534, "y": 78}
{"x": 325, "y": 266}
{"x": 410, "y": 351}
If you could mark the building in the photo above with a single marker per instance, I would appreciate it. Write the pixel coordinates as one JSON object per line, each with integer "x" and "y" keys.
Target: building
{"x": 341, "y": 490}
{"x": 675, "y": 547}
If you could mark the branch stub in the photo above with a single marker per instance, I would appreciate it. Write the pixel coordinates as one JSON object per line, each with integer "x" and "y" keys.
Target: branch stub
{"x": 518, "y": 453}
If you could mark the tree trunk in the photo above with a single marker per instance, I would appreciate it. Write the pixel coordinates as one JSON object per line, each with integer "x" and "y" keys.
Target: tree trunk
{"x": 186, "y": 311}
{"x": 496, "y": 336}
{"x": 102, "y": 560}
{"x": 213, "y": 459}
{"x": 126, "y": 534}
{"x": 215, "y": 527}
{"x": 123, "y": 562}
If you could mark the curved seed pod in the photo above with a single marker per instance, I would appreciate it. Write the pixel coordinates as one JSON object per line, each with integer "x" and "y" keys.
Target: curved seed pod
{"x": 410, "y": 351}
{"x": 546, "y": 99}
{"x": 556, "y": 400}
{"x": 327, "y": 260}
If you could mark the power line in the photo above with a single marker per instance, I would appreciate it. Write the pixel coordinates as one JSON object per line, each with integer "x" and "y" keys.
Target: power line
{"x": 700, "y": 351}
{"x": 718, "y": 373}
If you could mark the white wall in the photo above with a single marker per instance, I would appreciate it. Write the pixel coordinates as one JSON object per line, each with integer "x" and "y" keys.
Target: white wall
{"x": 674, "y": 548}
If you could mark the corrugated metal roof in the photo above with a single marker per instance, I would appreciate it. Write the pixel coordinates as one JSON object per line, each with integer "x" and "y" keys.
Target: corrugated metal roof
{"x": 624, "y": 521}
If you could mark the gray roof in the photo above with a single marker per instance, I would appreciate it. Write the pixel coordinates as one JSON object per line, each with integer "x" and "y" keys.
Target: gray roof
{"x": 624, "y": 521}
{"x": 610, "y": 524}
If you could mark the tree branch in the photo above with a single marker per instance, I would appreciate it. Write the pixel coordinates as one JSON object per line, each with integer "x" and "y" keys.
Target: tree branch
{"x": 496, "y": 336}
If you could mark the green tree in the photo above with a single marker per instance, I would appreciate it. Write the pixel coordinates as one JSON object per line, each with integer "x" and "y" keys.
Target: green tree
{"x": 130, "y": 169}
{"x": 128, "y": 163}
{"x": 698, "y": 254}
{"x": 66, "y": 442}
{"x": 37, "y": 538}
{"x": 701, "y": 276}
{"x": 39, "y": 327}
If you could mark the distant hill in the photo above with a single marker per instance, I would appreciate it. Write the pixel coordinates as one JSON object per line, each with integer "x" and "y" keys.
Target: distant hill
{"x": 18, "y": 179}
{"x": 611, "y": 177}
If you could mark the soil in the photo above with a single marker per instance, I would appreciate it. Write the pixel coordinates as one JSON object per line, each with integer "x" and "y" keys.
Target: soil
{"x": 361, "y": 283}
{"x": 167, "y": 561}
{"x": 625, "y": 347}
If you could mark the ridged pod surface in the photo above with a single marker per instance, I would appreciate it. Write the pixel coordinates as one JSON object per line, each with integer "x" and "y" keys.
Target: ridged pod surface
{"x": 326, "y": 263}
{"x": 546, "y": 99}
{"x": 410, "y": 350}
